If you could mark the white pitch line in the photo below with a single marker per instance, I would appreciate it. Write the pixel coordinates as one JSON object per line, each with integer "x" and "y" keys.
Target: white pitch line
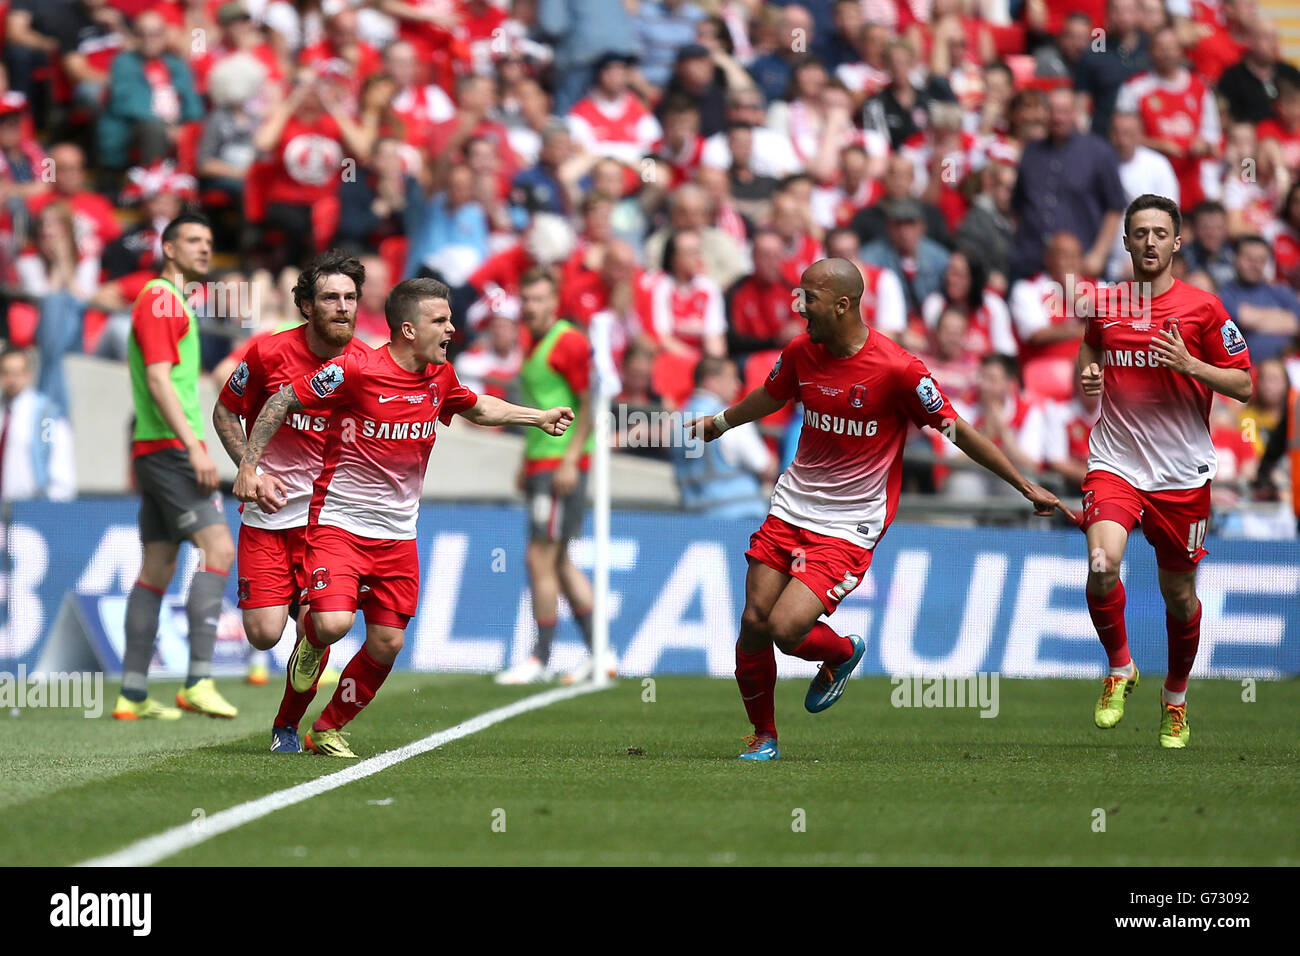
{"x": 150, "y": 850}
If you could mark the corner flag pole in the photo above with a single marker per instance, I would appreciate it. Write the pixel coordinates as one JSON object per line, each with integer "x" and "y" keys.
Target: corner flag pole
{"x": 600, "y": 556}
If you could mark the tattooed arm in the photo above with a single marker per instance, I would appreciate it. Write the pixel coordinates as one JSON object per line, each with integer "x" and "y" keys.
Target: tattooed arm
{"x": 249, "y": 483}
{"x": 230, "y": 430}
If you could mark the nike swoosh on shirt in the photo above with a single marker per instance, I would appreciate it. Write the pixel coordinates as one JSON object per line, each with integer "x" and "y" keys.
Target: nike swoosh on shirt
{"x": 388, "y": 398}
{"x": 1106, "y": 325}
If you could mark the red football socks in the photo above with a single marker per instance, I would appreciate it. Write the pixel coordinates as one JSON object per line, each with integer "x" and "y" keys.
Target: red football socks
{"x": 1184, "y": 638}
{"x": 1107, "y": 612}
{"x": 293, "y": 704}
{"x": 756, "y": 675}
{"x": 358, "y": 685}
{"x": 823, "y": 644}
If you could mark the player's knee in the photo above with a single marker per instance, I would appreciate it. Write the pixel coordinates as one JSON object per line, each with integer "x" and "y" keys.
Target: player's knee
{"x": 260, "y": 637}
{"x": 786, "y": 635}
{"x": 753, "y": 627}
{"x": 332, "y": 626}
{"x": 384, "y": 646}
{"x": 1180, "y": 599}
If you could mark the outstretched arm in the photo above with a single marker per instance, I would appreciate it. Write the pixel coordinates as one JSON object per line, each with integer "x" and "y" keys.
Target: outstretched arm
{"x": 490, "y": 411}
{"x": 248, "y": 484}
{"x": 757, "y": 404}
{"x": 986, "y": 454}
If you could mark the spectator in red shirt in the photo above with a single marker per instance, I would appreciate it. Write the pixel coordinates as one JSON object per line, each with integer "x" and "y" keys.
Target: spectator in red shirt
{"x": 94, "y": 221}
{"x": 949, "y": 357}
{"x": 238, "y": 34}
{"x": 305, "y": 137}
{"x": 419, "y": 107}
{"x": 342, "y": 43}
{"x": 760, "y": 304}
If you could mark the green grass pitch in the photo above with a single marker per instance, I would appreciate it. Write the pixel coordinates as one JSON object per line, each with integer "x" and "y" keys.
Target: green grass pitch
{"x": 608, "y": 778}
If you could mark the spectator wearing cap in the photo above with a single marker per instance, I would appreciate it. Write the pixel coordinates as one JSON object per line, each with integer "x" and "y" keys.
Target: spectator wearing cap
{"x": 150, "y": 96}
{"x": 917, "y": 260}
{"x": 584, "y": 33}
{"x": 1267, "y": 312}
{"x": 898, "y": 183}
{"x": 789, "y": 41}
{"x": 665, "y": 26}
{"x": 1068, "y": 182}
{"x": 611, "y": 120}
{"x": 697, "y": 77}
{"x": 160, "y": 193}
{"x": 491, "y": 364}
{"x": 22, "y": 160}
{"x": 36, "y": 449}
{"x": 1105, "y": 68}
{"x": 1251, "y": 86}
{"x": 238, "y": 34}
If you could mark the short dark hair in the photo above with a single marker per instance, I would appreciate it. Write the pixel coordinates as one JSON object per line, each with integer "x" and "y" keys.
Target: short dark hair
{"x": 1007, "y": 363}
{"x": 1252, "y": 240}
{"x": 1152, "y": 201}
{"x": 538, "y": 274}
{"x": 708, "y": 366}
{"x": 403, "y": 303}
{"x": 328, "y": 263}
{"x": 1208, "y": 207}
{"x": 173, "y": 228}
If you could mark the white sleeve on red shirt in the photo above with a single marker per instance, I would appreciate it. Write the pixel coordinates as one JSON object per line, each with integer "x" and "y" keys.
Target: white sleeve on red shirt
{"x": 1027, "y": 310}
{"x": 1211, "y": 129}
{"x": 715, "y": 319}
{"x": 891, "y": 307}
{"x": 1032, "y": 434}
{"x": 1000, "y": 332}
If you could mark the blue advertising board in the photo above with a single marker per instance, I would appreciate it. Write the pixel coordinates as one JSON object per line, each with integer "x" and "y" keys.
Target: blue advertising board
{"x": 937, "y": 601}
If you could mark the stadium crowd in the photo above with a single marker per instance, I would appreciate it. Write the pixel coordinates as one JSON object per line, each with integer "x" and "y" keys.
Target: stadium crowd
{"x": 677, "y": 165}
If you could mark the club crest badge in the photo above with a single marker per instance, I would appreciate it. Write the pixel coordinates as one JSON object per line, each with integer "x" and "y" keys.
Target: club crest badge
{"x": 239, "y": 379}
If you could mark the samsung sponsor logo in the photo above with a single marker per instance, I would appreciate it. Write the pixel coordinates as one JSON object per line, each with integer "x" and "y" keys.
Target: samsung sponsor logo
{"x": 838, "y": 424}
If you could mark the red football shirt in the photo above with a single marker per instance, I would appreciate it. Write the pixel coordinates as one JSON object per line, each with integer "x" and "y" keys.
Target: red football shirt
{"x": 378, "y": 443}
{"x": 846, "y": 474}
{"x": 310, "y": 162}
{"x": 1154, "y": 426}
{"x": 296, "y": 452}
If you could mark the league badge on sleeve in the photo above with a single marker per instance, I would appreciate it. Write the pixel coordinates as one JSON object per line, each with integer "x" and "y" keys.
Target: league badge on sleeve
{"x": 239, "y": 379}
{"x": 776, "y": 370}
{"x": 326, "y": 381}
{"x": 1233, "y": 342}
{"x": 928, "y": 393}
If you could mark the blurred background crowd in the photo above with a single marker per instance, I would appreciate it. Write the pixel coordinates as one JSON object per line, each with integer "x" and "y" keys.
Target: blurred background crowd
{"x": 677, "y": 164}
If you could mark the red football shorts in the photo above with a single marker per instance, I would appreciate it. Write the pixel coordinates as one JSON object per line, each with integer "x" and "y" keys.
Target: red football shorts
{"x": 1173, "y": 521}
{"x": 831, "y": 567}
{"x": 345, "y": 570}
{"x": 270, "y": 566}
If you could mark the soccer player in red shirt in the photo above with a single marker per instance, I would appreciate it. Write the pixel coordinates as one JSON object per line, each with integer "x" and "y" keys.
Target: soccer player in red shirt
{"x": 385, "y": 406}
{"x": 1156, "y": 357}
{"x": 272, "y": 539}
{"x": 860, "y": 391}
